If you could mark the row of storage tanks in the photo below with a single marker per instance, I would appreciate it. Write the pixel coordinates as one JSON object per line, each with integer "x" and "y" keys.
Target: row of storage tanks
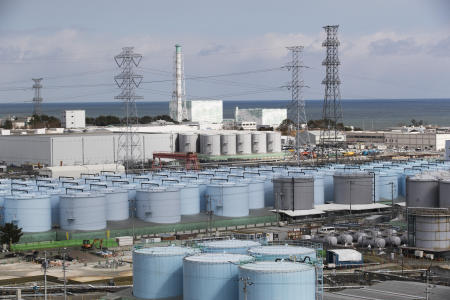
{"x": 233, "y": 143}
{"x": 426, "y": 195}
{"x": 89, "y": 202}
{"x": 225, "y": 270}
{"x": 365, "y": 238}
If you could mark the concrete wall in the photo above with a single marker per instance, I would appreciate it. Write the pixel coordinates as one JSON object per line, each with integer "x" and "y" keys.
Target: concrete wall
{"x": 261, "y": 116}
{"x": 19, "y": 150}
{"x": 411, "y": 140}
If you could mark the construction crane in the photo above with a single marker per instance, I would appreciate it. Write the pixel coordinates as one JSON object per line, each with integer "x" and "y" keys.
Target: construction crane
{"x": 190, "y": 159}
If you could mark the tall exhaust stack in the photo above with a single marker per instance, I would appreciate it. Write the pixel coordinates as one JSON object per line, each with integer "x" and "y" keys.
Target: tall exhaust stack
{"x": 178, "y": 104}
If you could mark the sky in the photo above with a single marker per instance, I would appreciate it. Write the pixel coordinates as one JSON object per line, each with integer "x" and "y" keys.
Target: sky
{"x": 389, "y": 49}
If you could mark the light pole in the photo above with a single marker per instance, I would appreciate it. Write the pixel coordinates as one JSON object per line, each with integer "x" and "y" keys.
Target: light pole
{"x": 64, "y": 271}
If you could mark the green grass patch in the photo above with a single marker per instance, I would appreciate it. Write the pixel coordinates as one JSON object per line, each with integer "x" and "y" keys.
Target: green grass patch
{"x": 58, "y": 244}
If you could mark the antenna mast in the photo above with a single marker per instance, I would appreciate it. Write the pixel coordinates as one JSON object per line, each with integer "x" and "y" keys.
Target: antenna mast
{"x": 129, "y": 144}
{"x": 37, "y": 99}
{"x": 332, "y": 110}
{"x": 296, "y": 109}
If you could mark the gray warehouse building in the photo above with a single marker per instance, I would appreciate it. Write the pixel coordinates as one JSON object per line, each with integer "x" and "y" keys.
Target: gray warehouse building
{"x": 76, "y": 148}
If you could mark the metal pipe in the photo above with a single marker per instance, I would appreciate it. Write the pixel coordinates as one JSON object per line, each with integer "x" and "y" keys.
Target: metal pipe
{"x": 18, "y": 190}
{"x": 88, "y": 174}
{"x": 46, "y": 186}
{"x": 43, "y": 180}
{"x": 301, "y": 172}
{"x": 74, "y": 189}
{"x": 141, "y": 178}
{"x": 248, "y": 172}
{"x": 179, "y": 172}
{"x": 66, "y": 177}
{"x": 113, "y": 176}
{"x": 206, "y": 174}
{"x": 175, "y": 180}
{"x": 161, "y": 175}
{"x": 226, "y": 179}
{"x": 189, "y": 177}
{"x": 98, "y": 184}
{"x": 16, "y": 183}
{"x": 71, "y": 182}
{"x": 103, "y": 172}
{"x": 91, "y": 179}
{"x": 150, "y": 183}
{"x": 114, "y": 181}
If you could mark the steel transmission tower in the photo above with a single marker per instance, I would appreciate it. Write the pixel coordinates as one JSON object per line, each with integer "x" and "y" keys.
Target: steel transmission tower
{"x": 296, "y": 109}
{"x": 332, "y": 110}
{"x": 178, "y": 111}
{"x": 37, "y": 99}
{"x": 129, "y": 150}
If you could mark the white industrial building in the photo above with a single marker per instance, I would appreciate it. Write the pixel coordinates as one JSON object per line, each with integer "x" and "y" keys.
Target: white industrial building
{"x": 447, "y": 150}
{"x": 74, "y": 119}
{"x": 76, "y": 148}
{"x": 263, "y": 117}
{"x": 205, "y": 111}
{"x": 313, "y": 136}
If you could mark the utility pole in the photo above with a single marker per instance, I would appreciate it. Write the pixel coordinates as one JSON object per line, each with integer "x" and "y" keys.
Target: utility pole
{"x": 64, "y": 272}
{"x": 296, "y": 109}
{"x": 350, "y": 195}
{"x": 45, "y": 266}
{"x": 246, "y": 282}
{"x": 129, "y": 143}
{"x": 392, "y": 199}
{"x": 332, "y": 110}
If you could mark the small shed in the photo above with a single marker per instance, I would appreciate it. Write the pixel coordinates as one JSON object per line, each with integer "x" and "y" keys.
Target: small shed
{"x": 344, "y": 257}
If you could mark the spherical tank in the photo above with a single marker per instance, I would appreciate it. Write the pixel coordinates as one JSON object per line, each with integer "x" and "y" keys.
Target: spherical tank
{"x": 117, "y": 207}
{"x": 228, "y": 144}
{"x": 82, "y": 211}
{"x": 259, "y": 142}
{"x": 345, "y": 239}
{"x": 188, "y": 142}
{"x": 158, "y": 272}
{"x": 394, "y": 240}
{"x": 353, "y": 188}
{"x": 277, "y": 280}
{"x": 158, "y": 205}
{"x": 228, "y": 246}
{"x": 422, "y": 191}
{"x": 444, "y": 193}
{"x": 244, "y": 143}
{"x": 210, "y": 276}
{"x": 228, "y": 199}
{"x": 293, "y": 193}
{"x": 283, "y": 252}
{"x": 273, "y": 142}
{"x": 31, "y": 212}
{"x": 210, "y": 144}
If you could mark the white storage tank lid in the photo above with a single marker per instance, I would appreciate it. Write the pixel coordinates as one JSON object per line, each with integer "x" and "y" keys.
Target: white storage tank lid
{"x": 281, "y": 250}
{"x": 219, "y": 258}
{"x": 226, "y": 244}
{"x": 166, "y": 251}
{"x": 277, "y": 267}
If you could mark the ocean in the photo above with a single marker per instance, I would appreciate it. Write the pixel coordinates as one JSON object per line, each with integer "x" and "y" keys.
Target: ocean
{"x": 366, "y": 114}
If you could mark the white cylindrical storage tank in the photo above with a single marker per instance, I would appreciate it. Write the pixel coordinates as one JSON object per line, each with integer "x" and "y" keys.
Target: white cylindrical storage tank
{"x": 158, "y": 272}
{"x": 353, "y": 188}
{"x": 228, "y": 144}
{"x": 188, "y": 142}
{"x": 256, "y": 193}
{"x": 210, "y": 276}
{"x": 283, "y": 252}
{"x": 31, "y": 212}
{"x": 319, "y": 190}
{"x": 54, "y": 195}
{"x": 210, "y": 144}
{"x": 117, "y": 205}
{"x": 228, "y": 246}
{"x": 422, "y": 191}
{"x": 388, "y": 186}
{"x": 277, "y": 280}
{"x": 228, "y": 199}
{"x": 259, "y": 142}
{"x": 273, "y": 141}
{"x": 82, "y": 211}
{"x": 244, "y": 143}
{"x": 158, "y": 205}
{"x": 189, "y": 198}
